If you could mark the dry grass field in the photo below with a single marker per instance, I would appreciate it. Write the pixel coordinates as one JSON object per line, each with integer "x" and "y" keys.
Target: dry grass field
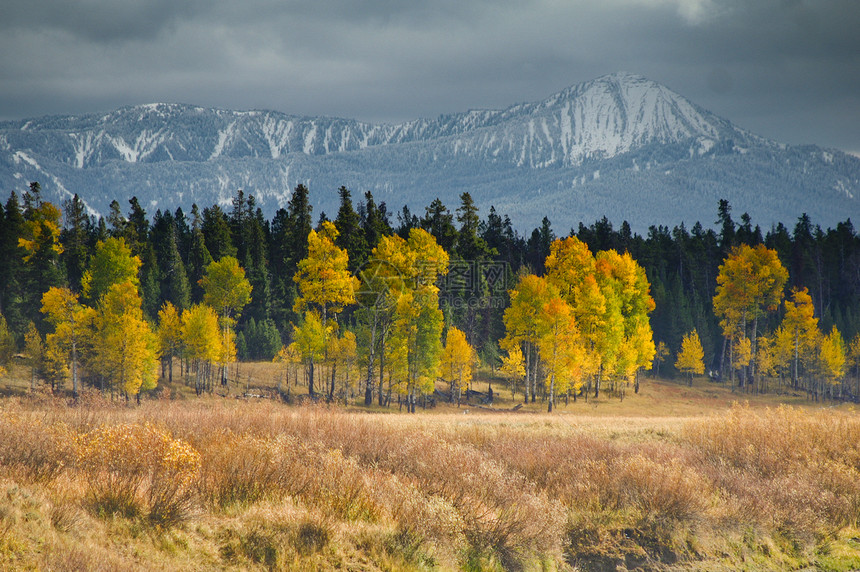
{"x": 674, "y": 478}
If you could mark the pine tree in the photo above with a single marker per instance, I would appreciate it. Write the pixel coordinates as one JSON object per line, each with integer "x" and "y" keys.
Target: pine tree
{"x": 470, "y": 246}
{"x": 439, "y": 222}
{"x": 12, "y": 262}
{"x": 199, "y": 257}
{"x": 538, "y": 247}
{"x": 374, "y": 220}
{"x": 256, "y": 263}
{"x": 75, "y": 239}
{"x": 216, "y": 233}
{"x": 350, "y": 236}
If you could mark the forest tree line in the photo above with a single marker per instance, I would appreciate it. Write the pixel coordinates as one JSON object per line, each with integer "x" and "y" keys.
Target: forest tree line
{"x": 486, "y": 264}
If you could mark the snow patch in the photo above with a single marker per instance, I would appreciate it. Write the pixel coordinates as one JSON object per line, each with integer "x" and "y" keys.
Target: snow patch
{"x": 841, "y": 187}
{"x": 223, "y": 137}
{"x": 706, "y": 145}
{"x": 309, "y": 139}
{"x": 277, "y": 135}
{"x": 20, "y": 157}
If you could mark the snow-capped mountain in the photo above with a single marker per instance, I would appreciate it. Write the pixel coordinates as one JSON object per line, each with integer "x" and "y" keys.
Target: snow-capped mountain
{"x": 620, "y": 146}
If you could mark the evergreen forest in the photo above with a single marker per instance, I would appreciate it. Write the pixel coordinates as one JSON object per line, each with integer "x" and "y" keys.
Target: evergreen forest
{"x": 378, "y": 302}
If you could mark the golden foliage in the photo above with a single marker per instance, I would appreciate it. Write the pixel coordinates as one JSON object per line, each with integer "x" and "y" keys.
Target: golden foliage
{"x": 134, "y": 469}
{"x": 690, "y": 358}
{"x": 458, "y": 361}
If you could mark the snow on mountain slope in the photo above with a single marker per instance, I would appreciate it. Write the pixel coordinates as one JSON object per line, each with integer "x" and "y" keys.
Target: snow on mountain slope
{"x": 599, "y": 119}
{"x": 595, "y": 148}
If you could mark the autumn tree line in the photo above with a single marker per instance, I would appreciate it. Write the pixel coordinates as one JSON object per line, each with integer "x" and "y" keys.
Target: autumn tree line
{"x": 387, "y": 303}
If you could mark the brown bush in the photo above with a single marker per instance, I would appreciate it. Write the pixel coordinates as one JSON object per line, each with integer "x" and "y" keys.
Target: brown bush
{"x": 783, "y": 467}
{"x": 34, "y": 451}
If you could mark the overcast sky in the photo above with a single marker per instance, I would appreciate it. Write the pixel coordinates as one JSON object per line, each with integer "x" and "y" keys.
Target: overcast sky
{"x": 785, "y": 69}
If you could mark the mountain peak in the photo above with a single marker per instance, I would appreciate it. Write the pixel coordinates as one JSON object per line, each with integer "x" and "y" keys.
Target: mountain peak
{"x": 616, "y": 113}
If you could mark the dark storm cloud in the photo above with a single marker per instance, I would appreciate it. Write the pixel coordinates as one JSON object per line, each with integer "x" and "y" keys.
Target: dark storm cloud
{"x": 96, "y": 20}
{"x": 786, "y": 69}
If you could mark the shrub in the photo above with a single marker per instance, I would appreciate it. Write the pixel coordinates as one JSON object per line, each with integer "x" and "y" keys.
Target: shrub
{"x": 34, "y": 451}
{"x": 137, "y": 470}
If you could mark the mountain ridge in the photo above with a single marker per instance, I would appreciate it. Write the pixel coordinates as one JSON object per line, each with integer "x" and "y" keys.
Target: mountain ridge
{"x": 594, "y": 147}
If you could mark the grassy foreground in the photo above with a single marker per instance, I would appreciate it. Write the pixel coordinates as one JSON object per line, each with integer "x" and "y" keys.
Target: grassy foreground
{"x": 214, "y": 483}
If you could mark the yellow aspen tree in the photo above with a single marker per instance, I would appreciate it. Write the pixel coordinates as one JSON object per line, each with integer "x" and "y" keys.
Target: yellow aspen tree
{"x": 55, "y": 360}
{"x": 833, "y": 357}
{"x": 630, "y": 290}
{"x": 169, "y": 336}
{"x": 561, "y": 349}
{"x": 126, "y": 347}
{"x": 41, "y": 231}
{"x": 431, "y": 260}
{"x": 523, "y": 323}
{"x": 418, "y": 328}
{"x": 458, "y": 362}
{"x": 765, "y": 357}
{"x": 39, "y": 240}
{"x": 642, "y": 342}
{"x": 749, "y": 285}
{"x": 513, "y": 366}
{"x": 403, "y": 321}
{"x": 71, "y": 325}
{"x": 418, "y": 318}
{"x": 227, "y": 353}
{"x": 340, "y": 354}
{"x": 201, "y": 340}
{"x": 310, "y": 339}
{"x": 394, "y": 364}
{"x": 325, "y": 282}
{"x": 691, "y": 357}
{"x": 572, "y": 269}
{"x": 742, "y": 352}
{"x": 783, "y": 353}
{"x": 800, "y": 327}
{"x": 111, "y": 263}
{"x": 227, "y": 291}
{"x": 382, "y": 280}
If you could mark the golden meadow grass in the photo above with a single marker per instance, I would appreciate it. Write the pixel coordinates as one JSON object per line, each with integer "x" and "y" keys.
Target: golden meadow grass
{"x": 216, "y": 483}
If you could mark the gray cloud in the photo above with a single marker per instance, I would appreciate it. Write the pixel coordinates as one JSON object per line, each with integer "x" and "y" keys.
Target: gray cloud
{"x": 785, "y": 69}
